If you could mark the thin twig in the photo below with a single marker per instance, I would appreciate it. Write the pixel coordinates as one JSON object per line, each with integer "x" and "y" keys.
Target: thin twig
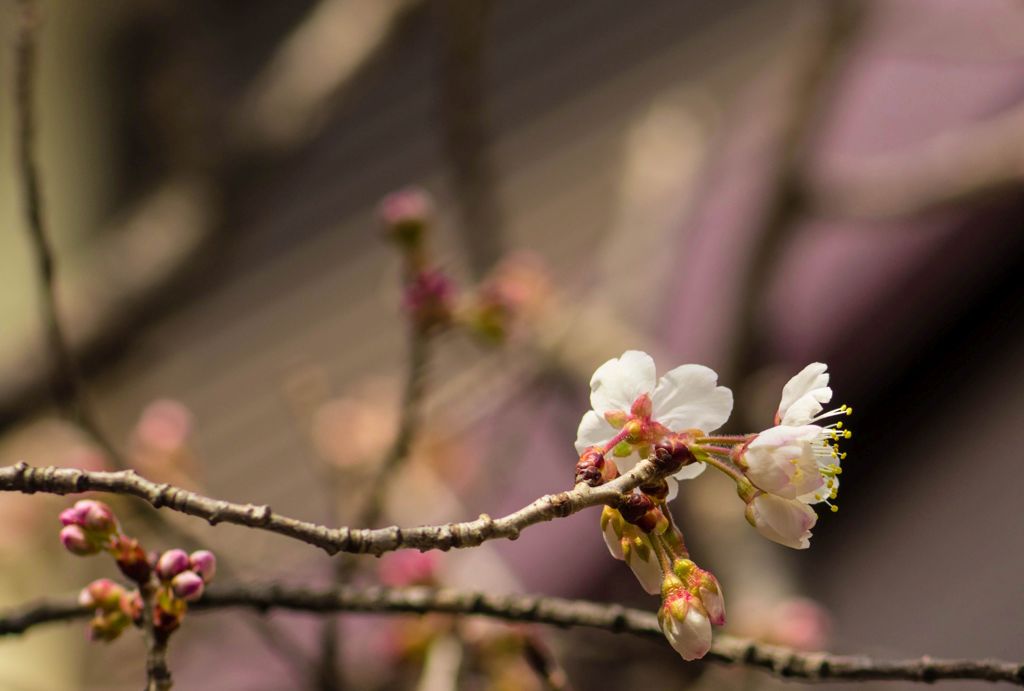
{"x": 158, "y": 675}
{"x": 784, "y": 662}
{"x": 544, "y": 664}
{"x": 328, "y": 676}
{"x": 68, "y": 389}
{"x": 68, "y": 386}
{"x": 21, "y": 477}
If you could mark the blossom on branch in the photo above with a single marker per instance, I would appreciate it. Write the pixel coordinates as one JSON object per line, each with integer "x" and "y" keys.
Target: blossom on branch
{"x": 633, "y": 410}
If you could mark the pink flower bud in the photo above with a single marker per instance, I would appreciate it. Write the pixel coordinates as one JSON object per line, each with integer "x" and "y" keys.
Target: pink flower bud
{"x": 171, "y": 563}
{"x": 102, "y": 593}
{"x": 131, "y": 605}
{"x": 69, "y": 517}
{"x": 95, "y": 515}
{"x": 204, "y": 563}
{"x": 405, "y": 215}
{"x": 429, "y": 299}
{"x": 76, "y": 541}
{"x": 188, "y": 585}
{"x": 686, "y": 627}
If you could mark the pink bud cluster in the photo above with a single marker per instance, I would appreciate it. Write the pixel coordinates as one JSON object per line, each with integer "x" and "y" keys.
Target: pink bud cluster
{"x": 174, "y": 578}
{"x": 89, "y": 527}
{"x": 115, "y": 608}
{"x": 185, "y": 575}
{"x": 517, "y": 286}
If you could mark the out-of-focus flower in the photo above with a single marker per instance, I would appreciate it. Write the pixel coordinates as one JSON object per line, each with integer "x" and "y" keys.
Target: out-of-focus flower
{"x": 398, "y": 569}
{"x": 633, "y": 410}
{"x": 405, "y": 215}
{"x": 160, "y": 447}
{"x": 786, "y": 521}
{"x": 514, "y": 292}
{"x": 430, "y": 299}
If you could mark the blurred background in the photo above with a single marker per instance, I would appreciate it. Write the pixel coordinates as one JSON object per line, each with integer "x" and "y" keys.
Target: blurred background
{"x": 748, "y": 185}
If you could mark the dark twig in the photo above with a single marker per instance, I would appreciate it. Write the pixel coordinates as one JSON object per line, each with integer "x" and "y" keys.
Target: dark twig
{"x": 67, "y": 384}
{"x": 462, "y": 25}
{"x": 800, "y": 107}
{"x": 21, "y": 477}
{"x": 784, "y": 662}
{"x": 544, "y": 664}
{"x": 158, "y": 676}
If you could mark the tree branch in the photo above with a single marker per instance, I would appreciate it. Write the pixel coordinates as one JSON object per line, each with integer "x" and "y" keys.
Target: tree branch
{"x": 784, "y": 662}
{"x": 21, "y": 477}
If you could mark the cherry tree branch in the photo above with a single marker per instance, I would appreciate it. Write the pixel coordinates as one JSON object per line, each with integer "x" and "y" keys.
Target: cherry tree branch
{"x": 21, "y": 477}
{"x": 783, "y": 662}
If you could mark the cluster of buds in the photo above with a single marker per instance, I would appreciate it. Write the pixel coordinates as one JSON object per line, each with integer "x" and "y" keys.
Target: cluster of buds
{"x": 780, "y": 473}
{"x": 513, "y": 293}
{"x": 89, "y": 527}
{"x": 182, "y": 578}
{"x": 641, "y": 533}
{"x": 429, "y": 294}
{"x": 115, "y": 608}
{"x": 517, "y": 286}
{"x": 174, "y": 579}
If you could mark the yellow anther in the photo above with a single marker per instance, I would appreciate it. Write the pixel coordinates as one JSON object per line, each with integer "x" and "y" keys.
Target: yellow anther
{"x": 847, "y": 434}
{"x": 835, "y": 508}
{"x": 839, "y": 425}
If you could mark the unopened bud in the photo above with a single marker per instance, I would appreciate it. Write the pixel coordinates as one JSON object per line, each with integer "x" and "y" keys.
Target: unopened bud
{"x": 204, "y": 563}
{"x": 131, "y": 559}
{"x": 634, "y": 505}
{"x": 171, "y": 563}
{"x": 429, "y": 299}
{"x": 405, "y": 215}
{"x": 684, "y": 624}
{"x": 95, "y": 515}
{"x": 75, "y": 540}
{"x": 188, "y": 586}
{"x": 672, "y": 453}
{"x": 102, "y": 593}
{"x": 107, "y": 626}
{"x": 589, "y": 467}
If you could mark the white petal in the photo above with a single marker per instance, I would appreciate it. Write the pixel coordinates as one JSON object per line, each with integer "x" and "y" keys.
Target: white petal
{"x": 647, "y": 571}
{"x": 785, "y": 521}
{"x": 714, "y": 604}
{"x": 781, "y": 460}
{"x": 690, "y": 637}
{"x": 688, "y": 472}
{"x": 688, "y": 397}
{"x": 806, "y": 408}
{"x": 612, "y": 540}
{"x": 618, "y": 382}
{"x": 810, "y": 381}
{"x": 594, "y": 430}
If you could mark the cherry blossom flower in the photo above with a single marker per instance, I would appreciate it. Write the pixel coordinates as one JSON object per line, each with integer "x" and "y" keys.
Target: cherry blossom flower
{"x": 799, "y": 459}
{"x": 633, "y": 409}
{"x": 786, "y": 521}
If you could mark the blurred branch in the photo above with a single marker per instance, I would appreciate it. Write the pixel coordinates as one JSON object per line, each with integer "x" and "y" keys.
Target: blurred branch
{"x": 67, "y": 383}
{"x": 289, "y": 99}
{"x": 544, "y": 664}
{"x": 785, "y": 203}
{"x": 783, "y": 662}
{"x": 409, "y": 418}
{"x": 158, "y": 676}
{"x": 22, "y": 477}
{"x": 462, "y": 26}
{"x": 979, "y": 161}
